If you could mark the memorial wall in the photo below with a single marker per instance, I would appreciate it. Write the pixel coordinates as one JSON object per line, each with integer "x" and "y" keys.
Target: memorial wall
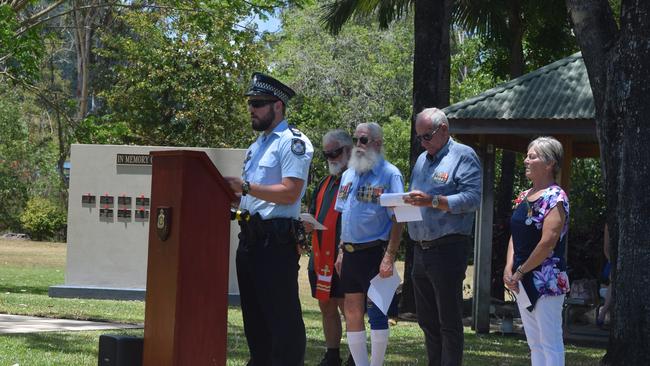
{"x": 108, "y": 220}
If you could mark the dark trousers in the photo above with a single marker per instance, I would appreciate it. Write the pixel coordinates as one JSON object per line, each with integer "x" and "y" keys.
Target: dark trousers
{"x": 267, "y": 272}
{"x": 438, "y": 274}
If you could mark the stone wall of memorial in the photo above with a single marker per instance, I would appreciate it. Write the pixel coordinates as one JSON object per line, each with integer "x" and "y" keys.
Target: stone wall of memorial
{"x": 108, "y": 219}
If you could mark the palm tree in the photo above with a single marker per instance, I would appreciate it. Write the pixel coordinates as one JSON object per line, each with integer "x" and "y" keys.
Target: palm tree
{"x": 431, "y": 62}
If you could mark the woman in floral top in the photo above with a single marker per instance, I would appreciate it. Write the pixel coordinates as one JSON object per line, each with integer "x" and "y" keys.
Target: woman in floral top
{"x": 535, "y": 267}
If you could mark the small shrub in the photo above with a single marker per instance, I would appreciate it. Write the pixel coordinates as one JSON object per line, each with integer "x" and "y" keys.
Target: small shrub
{"x": 42, "y": 219}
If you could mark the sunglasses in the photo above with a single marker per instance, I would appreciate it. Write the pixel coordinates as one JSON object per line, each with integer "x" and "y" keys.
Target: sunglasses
{"x": 364, "y": 140}
{"x": 427, "y": 136}
{"x": 259, "y": 103}
{"x": 333, "y": 154}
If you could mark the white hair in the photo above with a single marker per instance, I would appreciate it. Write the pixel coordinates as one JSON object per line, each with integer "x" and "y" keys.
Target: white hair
{"x": 435, "y": 115}
{"x": 340, "y": 136}
{"x": 375, "y": 130}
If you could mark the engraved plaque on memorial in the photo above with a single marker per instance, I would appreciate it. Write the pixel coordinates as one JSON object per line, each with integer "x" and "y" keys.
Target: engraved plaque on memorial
{"x": 142, "y": 201}
{"x": 141, "y": 215}
{"x": 106, "y": 200}
{"x": 125, "y": 215}
{"x": 106, "y": 213}
{"x": 124, "y": 201}
{"x": 88, "y": 200}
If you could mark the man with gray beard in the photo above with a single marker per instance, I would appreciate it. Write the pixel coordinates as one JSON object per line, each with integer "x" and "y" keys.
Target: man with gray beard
{"x": 324, "y": 281}
{"x": 369, "y": 240}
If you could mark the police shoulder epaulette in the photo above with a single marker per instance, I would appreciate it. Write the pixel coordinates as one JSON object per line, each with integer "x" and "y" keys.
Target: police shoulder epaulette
{"x": 295, "y": 131}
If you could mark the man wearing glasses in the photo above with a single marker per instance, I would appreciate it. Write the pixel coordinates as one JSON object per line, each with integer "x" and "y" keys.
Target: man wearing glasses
{"x": 369, "y": 240}
{"x": 272, "y": 184}
{"x": 324, "y": 281}
{"x": 446, "y": 184}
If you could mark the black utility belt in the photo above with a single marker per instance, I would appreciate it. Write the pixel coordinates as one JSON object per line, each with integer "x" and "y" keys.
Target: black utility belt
{"x": 278, "y": 230}
{"x": 355, "y": 247}
{"x": 277, "y": 225}
{"x": 444, "y": 240}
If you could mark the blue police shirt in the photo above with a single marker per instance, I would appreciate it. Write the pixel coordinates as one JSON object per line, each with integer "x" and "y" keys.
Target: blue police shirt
{"x": 363, "y": 219}
{"x": 454, "y": 172}
{"x": 285, "y": 152}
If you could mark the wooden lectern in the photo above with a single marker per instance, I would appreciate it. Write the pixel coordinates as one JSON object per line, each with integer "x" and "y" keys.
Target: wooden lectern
{"x": 187, "y": 270}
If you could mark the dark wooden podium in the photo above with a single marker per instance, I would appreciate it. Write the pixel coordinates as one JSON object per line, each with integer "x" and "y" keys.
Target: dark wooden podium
{"x": 187, "y": 272}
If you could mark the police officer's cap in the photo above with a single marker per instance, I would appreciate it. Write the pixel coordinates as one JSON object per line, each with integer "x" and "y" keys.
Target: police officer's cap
{"x": 264, "y": 85}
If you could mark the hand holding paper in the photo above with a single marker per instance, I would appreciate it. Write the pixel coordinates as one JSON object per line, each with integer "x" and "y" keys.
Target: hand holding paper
{"x": 382, "y": 290}
{"x": 403, "y": 211}
{"x": 306, "y": 217}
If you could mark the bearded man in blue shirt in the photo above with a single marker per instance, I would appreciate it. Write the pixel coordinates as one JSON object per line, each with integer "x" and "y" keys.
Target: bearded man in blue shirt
{"x": 369, "y": 239}
{"x": 446, "y": 184}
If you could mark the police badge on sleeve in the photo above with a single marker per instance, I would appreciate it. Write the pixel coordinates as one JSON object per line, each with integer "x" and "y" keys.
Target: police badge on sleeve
{"x": 298, "y": 147}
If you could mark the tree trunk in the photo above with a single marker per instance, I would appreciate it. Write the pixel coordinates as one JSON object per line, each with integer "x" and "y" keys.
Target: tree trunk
{"x": 501, "y": 232}
{"x": 84, "y": 26}
{"x": 431, "y": 60}
{"x": 618, "y": 64}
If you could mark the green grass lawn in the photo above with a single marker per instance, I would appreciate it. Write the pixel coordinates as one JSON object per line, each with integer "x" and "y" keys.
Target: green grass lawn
{"x": 27, "y": 269}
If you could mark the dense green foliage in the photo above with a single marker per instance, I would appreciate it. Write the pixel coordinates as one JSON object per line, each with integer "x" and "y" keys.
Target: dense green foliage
{"x": 176, "y": 77}
{"x": 587, "y": 219}
{"x": 470, "y": 75}
{"x": 540, "y": 32}
{"x": 14, "y": 174}
{"x": 27, "y": 160}
{"x": 43, "y": 219}
{"x": 361, "y": 75}
{"x": 20, "y": 55}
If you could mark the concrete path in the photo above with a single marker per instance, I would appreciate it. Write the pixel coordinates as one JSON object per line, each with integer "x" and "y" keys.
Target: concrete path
{"x": 12, "y": 324}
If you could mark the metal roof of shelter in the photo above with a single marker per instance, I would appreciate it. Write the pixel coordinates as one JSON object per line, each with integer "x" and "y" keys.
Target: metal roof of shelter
{"x": 553, "y": 100}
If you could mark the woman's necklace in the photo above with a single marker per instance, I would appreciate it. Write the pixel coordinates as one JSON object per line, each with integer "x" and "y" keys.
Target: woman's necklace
{"x": 529, "y": 208}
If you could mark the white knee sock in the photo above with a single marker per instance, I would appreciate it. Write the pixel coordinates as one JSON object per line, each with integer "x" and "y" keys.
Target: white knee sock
{"x": 379, "y": 341}
{"x": 358, "y": 348}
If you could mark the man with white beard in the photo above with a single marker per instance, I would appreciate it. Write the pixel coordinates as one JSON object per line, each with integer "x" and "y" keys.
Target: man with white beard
{"x": 369, "y": 240}
{"x": 324, "y": 281}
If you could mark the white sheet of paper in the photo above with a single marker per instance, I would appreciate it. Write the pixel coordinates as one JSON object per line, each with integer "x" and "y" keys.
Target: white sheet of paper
{"x": 393, "y": 199}
{"x": 307, "y": 217}
{"x": 403, "y": 211}
{"x": 522, "y": 296}
{"x": 382, "y": 290}
{"x": 407, "y": 213}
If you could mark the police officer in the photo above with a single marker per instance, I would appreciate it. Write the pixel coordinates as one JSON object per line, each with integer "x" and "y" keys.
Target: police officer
{"x": 446, "y": 184}
{"x": 272, "y": 184}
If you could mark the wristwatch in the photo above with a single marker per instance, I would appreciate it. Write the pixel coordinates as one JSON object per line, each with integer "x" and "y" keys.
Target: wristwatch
{"x": 435, "y": 201}
{"x": 519, "y": 270}
{"x": 245, "y": 188}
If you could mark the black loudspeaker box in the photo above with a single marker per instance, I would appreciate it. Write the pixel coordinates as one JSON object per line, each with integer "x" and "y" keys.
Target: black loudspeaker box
{"x": 117, "y": 350}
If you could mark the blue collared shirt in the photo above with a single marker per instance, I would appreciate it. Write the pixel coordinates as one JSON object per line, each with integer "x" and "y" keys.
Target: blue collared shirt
{"x": 280, "y": 154}
{"x": 363, "y": 219}
{"x": 454, "y": 172}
